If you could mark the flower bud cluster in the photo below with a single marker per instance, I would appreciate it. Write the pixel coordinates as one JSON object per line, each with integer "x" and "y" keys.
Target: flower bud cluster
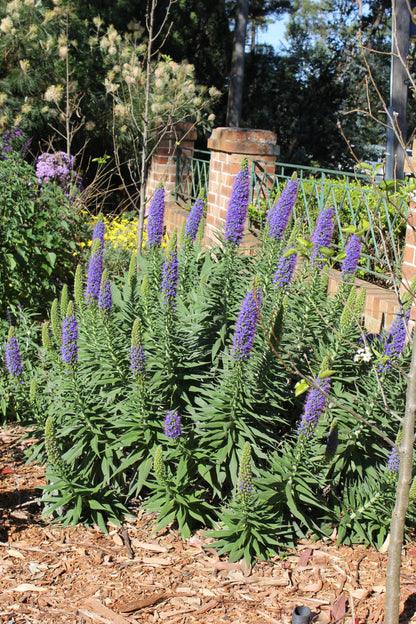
{"x": 244, "y": 481}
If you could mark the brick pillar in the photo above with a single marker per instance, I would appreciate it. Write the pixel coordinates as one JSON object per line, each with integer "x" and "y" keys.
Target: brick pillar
{"x": 163, "y": 164}
{"x": 409, "y": 256}
{"x": 228, "y": 146}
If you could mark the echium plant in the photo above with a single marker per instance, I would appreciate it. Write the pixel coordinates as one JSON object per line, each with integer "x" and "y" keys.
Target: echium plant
{"x": 13, "y": 359}
{"x": 170, "y": 273}
{"x": 155, "y": 218}
{"x": 237, "y": 208}
{"x": 321, "y": 237}
{"x": 395, "y": 340}
{"x": 172, "y": 425}
{"x": 279, "y": 214}
{"x": 247, "y": 525}
{"x": 314, "y": 407}
{"x": 332, "y": 440}
{"x": 95, "y": 272}
{"x": 137, "y": 356}
{"x": 53, "y": 453}
{"x": 244, "y": 481}
{"x": 285, "y": 268}
{"x": 69, "y": 344}
{"x": 245, "y": 328}
{"x": 194, "y": 219}
{"x": 105, "y": 301}
{"x": 352, "y": 256}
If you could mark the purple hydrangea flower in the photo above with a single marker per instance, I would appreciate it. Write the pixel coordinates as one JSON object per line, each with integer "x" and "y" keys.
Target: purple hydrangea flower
{"x": 155, "y": 218}
{"x": 246, "y": 326}
{"x": 57, "y": 167}
{"x": 194, "y": 219}
{"x": 170, "y": 278}
{"x": 237, "y": 208}
{"x": 172, "y": 425}
{"x": 322, "y": 234}
{"x": 13, "y": 360}
{"x": 95, "y": 272}
{"x": 350, "y": 263}
{"x": 278, "y": 215}
{"x": 137, "y": 358}
{"x": 105, "y": 301}
{"x": 393, "y": 463}
{"x": 69, "y": 346}
{"x": 395, "y": 340}
{"x": 314, "y": 406}
{"x": 285, "y": 269}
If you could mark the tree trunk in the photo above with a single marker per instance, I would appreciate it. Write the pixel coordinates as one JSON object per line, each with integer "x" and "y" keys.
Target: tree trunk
{"x": 235, "y": 93}
{"x": 392, "y": 604}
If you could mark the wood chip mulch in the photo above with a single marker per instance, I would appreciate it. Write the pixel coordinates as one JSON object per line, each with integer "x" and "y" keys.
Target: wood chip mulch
{"x": 50, "y": 573}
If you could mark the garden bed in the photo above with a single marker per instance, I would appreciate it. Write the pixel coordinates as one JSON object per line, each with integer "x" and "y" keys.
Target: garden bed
{"x": 51, "y": 573}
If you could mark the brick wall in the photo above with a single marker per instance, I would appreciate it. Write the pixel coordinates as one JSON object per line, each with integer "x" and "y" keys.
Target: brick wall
{"x": 163, "y": 164}
{"x": 228, "y": 146}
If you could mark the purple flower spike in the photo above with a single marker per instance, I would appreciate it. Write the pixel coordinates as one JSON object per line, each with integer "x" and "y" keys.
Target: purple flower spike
{"x": 95, "y": 272}
{"x": 69, "y": 346}
{"x": 99, "y": 231}
{"x": 279, "y": 213}
{"x": 314, "y": 406}
{"x": 170, "y": 279}
{"x": 172, "y": 425}
{"x": 285, "y": 269}
{"x": 350, "y": 263}
{"x": 13, "y": 360}
{"x": 237, "y": 208}
{"x": 194, "y": 219}
{"x": 393, "y": 463}
{"x": 105, "y": 301}
{"x": 246, "y": 326}
{"x": 396, "y": 340}
{"x": 155, "y": 218}
{"x": 322, "y": 235}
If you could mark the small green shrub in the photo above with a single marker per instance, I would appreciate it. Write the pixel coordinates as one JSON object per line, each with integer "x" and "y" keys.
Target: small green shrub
{"x": 38, "y": 230}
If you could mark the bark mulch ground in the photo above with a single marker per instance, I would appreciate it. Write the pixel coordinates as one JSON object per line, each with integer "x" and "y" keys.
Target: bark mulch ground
{"x": 50, "y": 573}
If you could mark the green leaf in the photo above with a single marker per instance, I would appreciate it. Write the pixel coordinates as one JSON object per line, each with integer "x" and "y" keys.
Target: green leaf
{"x": 301, "y": 387}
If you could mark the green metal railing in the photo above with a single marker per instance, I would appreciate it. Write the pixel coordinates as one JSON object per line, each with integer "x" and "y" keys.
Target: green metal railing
{"x": 353, "y": 198}
{"x": 192, "y": 173}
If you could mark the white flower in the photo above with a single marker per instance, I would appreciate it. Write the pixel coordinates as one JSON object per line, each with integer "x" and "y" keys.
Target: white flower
{"x": 6, "y": 25}
{"x": 53, "y": 93}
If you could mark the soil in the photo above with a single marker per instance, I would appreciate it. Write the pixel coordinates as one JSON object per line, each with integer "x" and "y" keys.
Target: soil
{"x": 50, "y": 573}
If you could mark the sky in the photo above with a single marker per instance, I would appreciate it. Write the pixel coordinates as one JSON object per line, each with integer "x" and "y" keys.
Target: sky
{"x": 274, "y": 34}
